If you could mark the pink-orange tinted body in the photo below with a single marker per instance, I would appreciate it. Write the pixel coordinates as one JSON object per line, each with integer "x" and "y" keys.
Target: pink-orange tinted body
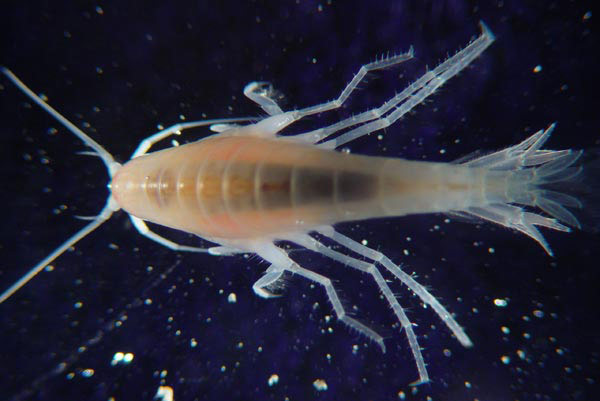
{"x": 236, "y": 187}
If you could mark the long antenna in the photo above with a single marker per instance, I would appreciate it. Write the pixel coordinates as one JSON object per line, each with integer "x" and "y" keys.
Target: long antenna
{"x": 111, "y": 206}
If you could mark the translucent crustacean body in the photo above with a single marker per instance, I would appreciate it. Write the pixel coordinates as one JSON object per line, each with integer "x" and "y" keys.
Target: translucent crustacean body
{"x": 238, "y": 187}
{"x": 246, "y": 187}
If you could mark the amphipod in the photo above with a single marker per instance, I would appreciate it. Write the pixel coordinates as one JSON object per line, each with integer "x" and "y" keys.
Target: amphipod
{"x": 246, "y": 187}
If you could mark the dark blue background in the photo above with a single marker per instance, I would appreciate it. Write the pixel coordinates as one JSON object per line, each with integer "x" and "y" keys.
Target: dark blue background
{"x": 122, "y": 71}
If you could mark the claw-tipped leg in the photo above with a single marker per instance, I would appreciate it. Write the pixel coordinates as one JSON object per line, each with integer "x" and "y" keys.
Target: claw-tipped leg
{"x": 262, "y": 94}
{"x": 271, "y": 276}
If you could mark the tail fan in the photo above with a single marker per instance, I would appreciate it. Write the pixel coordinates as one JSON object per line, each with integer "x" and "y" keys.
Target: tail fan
{"x": 536, "y": 188}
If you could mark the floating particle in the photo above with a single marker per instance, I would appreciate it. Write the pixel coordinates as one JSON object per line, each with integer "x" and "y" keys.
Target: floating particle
{"x": 320, "y": 385}
{"x": 164, "y": 393}
{"x": 501, "y": 303}
{"x": 121, "y": 358}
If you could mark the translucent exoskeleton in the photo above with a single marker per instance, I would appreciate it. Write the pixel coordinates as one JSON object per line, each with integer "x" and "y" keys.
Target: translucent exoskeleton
{"x": 246, "y": 188}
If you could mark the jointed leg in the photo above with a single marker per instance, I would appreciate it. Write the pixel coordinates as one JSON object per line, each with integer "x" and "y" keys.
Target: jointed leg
{"x": 322, "y": 133}
{"x": 282, "y": 261}
{"x": 260, "y": 93}
{"x": 176, "y": 129}
{"x": 373, "y": 66}
{"x": 143, "y": 229}
{"x": 278, "y": 119}
{"x": 405, "y": 278}
{"x": 417, "y": 92}
{"x": 271, "y": 276}
{"x": 314, "y": 245}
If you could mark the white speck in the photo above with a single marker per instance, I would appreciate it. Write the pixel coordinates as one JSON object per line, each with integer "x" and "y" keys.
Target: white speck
{"x": 442, "y": 151}
{"x": 401, "y": 395}
{"x": 120, "y": 357}
{"x": 468, "y": 384}
{"x": 223, "y": 368}
{"x": 501, "y": 303}
{"x": 491, "y": 250}
{"x": 164, "y": 393}
{"x": 314, "y": 60}
{"x": 364, "y": 242}
{"x": 505, "y": 359}
{"x": 447, "y": 352}
{"x": 538, "y": 313}
{"x": 355, "y": 349}
{"x": 521, "y": 354}
{"x": 148, "y": 301}
{"x": 273, "y": 380}
{"x": 505, "y": 330}
{"x": 232, "y": 298}
{"x": 320, "y": 385}
{"x": 587, "y": 16}
{"x": 87, "y": 372}
{"x": 99, "y": 10}
{"x": 537, "y": 68}
{"x": 163, "y": 374}
{"x": 78, "y": 305}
